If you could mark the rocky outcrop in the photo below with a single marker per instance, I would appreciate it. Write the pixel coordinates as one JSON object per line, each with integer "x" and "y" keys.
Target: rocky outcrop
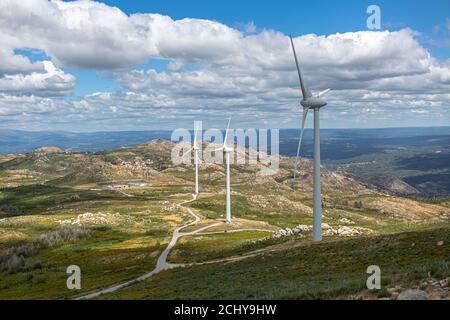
{"x": 413, "y": 294}
{"x": 99, "y": 218}
{"x": 341, "y": 231}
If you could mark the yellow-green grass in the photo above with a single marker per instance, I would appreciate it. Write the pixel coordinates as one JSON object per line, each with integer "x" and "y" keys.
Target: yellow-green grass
{"x": 115, "y": 253}
{"x": 198, "y": 248}
{"x": 106, "y": 258}
{"x": 123, "y": 251}
{"x": 213, "y": 207}
{"x": 332, "y": 269}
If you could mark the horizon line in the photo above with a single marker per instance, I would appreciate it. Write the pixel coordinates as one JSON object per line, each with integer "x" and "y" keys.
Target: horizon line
{"x": 169, "y": 130}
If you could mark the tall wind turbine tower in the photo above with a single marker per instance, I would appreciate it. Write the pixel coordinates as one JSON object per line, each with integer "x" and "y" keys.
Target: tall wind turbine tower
{"x": 314, "y": 102}
{"x": 196, "y": 160}
{"x": 227, "y": 150}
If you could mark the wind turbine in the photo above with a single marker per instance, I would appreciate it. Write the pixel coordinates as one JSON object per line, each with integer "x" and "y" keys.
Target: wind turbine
{"x": 196, "y": 160}
{"x": 227, "y": 150}
{"x": 310, "y": 101}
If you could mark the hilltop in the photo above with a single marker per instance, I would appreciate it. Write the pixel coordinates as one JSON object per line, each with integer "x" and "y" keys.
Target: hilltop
{"x": 393, "y": 185}
{"x": 49, "y": 149}
{"x": 418, "y": 157}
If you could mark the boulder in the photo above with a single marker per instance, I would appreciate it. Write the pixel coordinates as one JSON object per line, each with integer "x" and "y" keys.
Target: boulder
{"x": 412, "y": 294}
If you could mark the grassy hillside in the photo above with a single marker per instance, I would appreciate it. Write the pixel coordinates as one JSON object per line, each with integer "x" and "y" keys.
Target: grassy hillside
{"x": 112, "y": 213}
{"x": 296, "y": 269}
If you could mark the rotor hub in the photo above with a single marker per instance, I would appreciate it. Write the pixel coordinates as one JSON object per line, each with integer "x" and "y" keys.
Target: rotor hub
{"x": 313, "y": 103}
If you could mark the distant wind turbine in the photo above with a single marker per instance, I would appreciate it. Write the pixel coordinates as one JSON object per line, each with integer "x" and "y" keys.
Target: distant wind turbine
{"x": 196, "y": 160}
{"x": 226, "y": 150}
{"x": 310, "y": 101}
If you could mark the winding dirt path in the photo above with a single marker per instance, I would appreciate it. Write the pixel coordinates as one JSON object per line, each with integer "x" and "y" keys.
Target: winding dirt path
{"x": 162, "y": 263}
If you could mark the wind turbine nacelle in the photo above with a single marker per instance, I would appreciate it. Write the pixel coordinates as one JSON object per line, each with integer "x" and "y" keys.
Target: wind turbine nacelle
{"x": 227, "y": 149}
{"x": 313, "y": 103}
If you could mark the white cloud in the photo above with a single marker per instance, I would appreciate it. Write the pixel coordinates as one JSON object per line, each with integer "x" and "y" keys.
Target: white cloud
{"x": 87, "y": 34}
{"x": 343, "y": 61}
{"x": 355, "y": 65}
{"x": 175, "y": 66}
{"x": 11, "y": 63}
{"x": 245, "y": 73}
{"x": 51, "y": 82}
{"x": 20, "y": 105}
{"x": 80, "y": 34}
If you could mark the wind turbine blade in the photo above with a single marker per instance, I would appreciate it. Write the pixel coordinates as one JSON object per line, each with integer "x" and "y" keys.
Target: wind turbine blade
{"x": 322, "y": 93}
{"x": 226, "y": 133}
{"x": 305, "y": 113}
{"x": 218, "y": 149}
{"x": 305, "y": 91}
{"x": 187, "y": 152}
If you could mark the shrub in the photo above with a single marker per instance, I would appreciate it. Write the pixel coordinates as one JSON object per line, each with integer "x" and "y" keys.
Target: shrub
{"x": 15, "y": 259}
{"x": 26, "y": 249}
{"x": 64, "y": 234}
{"x": 13, "y": 263}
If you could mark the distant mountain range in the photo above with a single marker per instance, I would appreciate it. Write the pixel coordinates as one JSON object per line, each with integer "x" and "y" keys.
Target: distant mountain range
{"x": 420, "y": 157}
{"x": 335, "y": 142}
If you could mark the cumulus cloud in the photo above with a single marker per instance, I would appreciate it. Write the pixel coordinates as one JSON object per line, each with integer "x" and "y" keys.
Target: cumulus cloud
{"x": 11, "y": 63}
{"x": 342, "y": 61}
{"x": 76, "y": 34}
{"x": 51, "y": 82}
{"x": 361, "y": 64}
{"x": 248, "y": 73}
{"x": 175, "y": 66}
{"x": 11, "y": 105}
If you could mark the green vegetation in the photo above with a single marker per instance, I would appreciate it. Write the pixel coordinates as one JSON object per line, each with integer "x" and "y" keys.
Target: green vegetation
{"x": 299, "y": 270}
{"x": 200, "y": 248}
{"x": 113, "y": 213}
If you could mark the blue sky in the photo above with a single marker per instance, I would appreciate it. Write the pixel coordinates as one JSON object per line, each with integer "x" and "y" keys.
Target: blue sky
{"x": 310, "y": 16}
{"x": 290, "y": 17}
{"x": 134, "y": 65}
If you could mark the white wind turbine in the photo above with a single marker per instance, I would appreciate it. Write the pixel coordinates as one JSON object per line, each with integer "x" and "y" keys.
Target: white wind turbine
{"x": 310, "y": 101}
{"x": 196, "y": 160}
{"x": 227, "y": 150}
